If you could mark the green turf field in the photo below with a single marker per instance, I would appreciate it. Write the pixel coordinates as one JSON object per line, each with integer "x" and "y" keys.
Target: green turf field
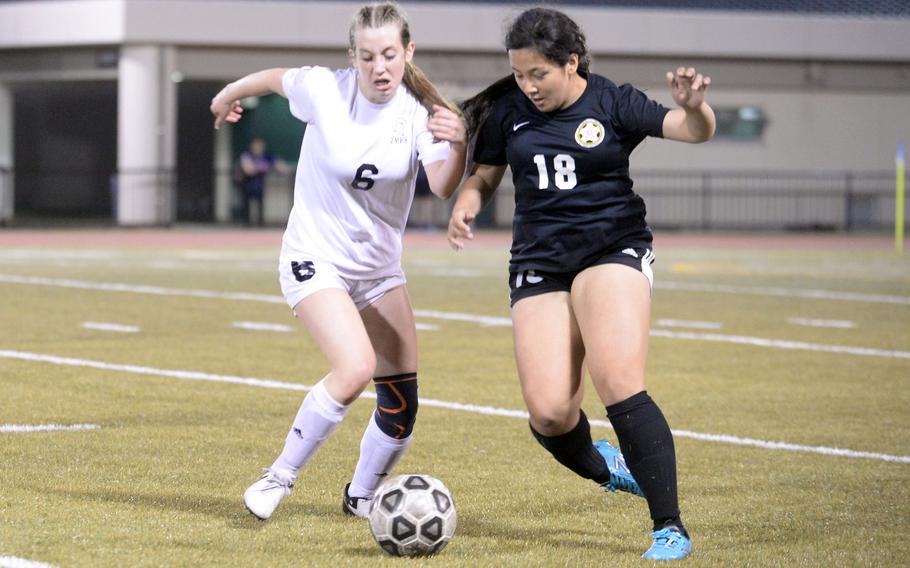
{"x": 807, "y": 348}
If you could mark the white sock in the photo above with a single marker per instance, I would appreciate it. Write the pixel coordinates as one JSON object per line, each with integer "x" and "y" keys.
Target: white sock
{"x": 379, "y": 453}
{"x": 318, "y": 417}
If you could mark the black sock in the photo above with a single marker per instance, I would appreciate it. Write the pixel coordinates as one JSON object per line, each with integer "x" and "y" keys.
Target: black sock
{"x": 671, "y": 523}
{"x": 576, "y": 451}
{"x": 647, "y": 444}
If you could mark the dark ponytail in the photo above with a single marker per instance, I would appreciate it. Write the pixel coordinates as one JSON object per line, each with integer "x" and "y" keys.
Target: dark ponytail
{"x": 549, "y": 32}
{"x": 477, "y": 108}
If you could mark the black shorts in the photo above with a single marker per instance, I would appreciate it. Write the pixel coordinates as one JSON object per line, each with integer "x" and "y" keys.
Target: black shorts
{"x": 527, "y": 283}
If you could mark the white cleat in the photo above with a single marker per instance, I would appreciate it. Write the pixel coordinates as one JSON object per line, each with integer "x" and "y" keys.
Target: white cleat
{"x": 355, "y": 506}
{"x": 262, "y": 498}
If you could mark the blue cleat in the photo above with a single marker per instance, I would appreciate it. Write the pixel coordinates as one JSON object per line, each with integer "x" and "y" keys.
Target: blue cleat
{"x": 669, "y": 544}
{"x": 620, "y": 477}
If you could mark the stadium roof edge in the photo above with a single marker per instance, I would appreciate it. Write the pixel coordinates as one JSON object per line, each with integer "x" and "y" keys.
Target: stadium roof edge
{"x": 449, "y": 27}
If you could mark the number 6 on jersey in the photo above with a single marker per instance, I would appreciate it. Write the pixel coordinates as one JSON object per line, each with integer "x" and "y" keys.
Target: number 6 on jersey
{"x": 364, "y": 182}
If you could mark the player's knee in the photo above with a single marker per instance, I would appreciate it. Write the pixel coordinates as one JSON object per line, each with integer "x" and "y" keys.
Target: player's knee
{"x": 358, "y": 372}
{"x": 620, "y": 377}
{"x": 349, "y": 380}
{"x": 552, "y": 420}
{"x": 396, "y": 404}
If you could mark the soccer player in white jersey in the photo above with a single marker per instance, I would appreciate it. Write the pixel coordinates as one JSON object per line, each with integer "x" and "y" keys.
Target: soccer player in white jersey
{"x": 340, "y": 263}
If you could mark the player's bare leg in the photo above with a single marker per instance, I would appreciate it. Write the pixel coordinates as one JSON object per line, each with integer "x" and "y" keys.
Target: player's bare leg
{"x": 613, "y": 305}
{"x": 390, "y": 325}
{"x": 549, "y": 355}
{"x": 335, "y": 326}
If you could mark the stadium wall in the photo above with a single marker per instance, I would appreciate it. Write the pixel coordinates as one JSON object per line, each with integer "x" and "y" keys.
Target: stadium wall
{"x": 834, "y": 89}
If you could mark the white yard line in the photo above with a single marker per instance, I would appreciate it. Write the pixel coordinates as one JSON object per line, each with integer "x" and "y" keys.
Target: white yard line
{"x": 280, "y": 327}
{"x": 454, "y": 272}
{"x": 809, "y": 322}
{"x": 140, "y": 289}
{"x": 474, "y": 408}
{"x": 116, "y": 327}
{"x": 233, "y": 266}
{"x": 29, "y": 428}
{"x": 16, "y": 562}
{"x": 785, "y": 292}
{"x": 48, "y": 253}
{"x": 452, "y": 316}
{"x": 689, "y": 324}
{"x": 262, "y": 326}
{"x": 485, "y": 321}
{"x": 688, "y": 287}
{"x": 781, "y": 344}
{"x": 201, "y": 254}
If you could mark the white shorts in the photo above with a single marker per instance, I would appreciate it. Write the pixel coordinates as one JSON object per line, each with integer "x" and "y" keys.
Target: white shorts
{"x": 302, "y": 278}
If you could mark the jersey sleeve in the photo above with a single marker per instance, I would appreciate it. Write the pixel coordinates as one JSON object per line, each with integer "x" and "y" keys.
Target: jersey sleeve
{"x": 637, "y": 115}
{"x": 428, "y": 150}
{"x": 490, "y": 142}
{"x": 300, "y": 87}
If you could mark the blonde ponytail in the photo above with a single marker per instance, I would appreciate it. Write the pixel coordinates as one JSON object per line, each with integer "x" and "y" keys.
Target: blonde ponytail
{"x": 424, "y": 90}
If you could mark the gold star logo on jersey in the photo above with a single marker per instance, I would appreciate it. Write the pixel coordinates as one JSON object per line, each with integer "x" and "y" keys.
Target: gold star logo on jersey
{"x": 589, "y": 133}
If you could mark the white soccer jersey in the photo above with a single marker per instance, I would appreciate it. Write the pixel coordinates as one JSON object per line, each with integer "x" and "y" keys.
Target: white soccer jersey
{"x": 356, "y": 174}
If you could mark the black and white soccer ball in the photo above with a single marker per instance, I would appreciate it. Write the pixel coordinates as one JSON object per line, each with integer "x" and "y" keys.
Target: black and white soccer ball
{"x": 412, "y": 515}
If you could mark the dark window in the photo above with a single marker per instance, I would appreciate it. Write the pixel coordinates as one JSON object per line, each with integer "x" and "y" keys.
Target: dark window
{"x": 745, "y": 123}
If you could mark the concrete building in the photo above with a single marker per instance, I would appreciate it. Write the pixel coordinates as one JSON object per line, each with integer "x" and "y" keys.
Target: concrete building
{"x": 104, "y": 103}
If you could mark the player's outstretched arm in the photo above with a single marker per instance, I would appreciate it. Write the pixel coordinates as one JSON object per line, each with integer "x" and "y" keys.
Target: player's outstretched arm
{"x": 473, "y": 196}
{"x": 226, "y": 104}
{"x": 694, "y": 120}
{"x": 444, "y": 176}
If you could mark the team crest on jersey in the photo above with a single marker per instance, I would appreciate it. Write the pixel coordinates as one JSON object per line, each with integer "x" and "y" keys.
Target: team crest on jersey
{"x": 400, "y": 131}
{"x": 589, "y": 133}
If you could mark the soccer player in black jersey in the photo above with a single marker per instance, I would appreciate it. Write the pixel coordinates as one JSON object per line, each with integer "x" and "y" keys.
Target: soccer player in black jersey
{"x": 580, "y": 274}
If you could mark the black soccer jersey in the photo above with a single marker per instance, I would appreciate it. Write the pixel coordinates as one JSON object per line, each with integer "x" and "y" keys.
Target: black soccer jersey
{"x": 573, "y": 194}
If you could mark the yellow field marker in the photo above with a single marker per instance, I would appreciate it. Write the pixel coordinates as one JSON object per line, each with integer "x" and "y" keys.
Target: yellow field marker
{"x": 899, "y": 200}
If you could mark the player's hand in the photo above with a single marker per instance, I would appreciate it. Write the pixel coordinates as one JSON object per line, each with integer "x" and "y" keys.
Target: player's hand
{"x": 688, "y": 87}
{"x": 225, "y": 108}
{"x": 446, "y": 125}
{"x": 460, "y": 228}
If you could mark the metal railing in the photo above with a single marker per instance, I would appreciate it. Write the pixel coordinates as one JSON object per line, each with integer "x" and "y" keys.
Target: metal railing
{"x": 755, "y": 200}
{"x": 6, "y": 195}
{"x": 152, "y": 196}
{"x": 716, "y": 200}
{"x": 228, "y": 200}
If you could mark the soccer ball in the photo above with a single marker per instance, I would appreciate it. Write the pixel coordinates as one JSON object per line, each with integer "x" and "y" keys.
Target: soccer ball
{"x": 412, "y": 515}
